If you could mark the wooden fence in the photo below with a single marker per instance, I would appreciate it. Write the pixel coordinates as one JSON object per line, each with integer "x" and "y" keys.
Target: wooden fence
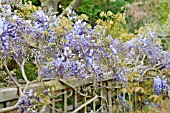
{"x": 84, "y": 96}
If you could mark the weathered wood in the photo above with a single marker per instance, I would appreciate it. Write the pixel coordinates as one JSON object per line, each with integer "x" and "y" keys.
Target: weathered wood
{"x": 85, "y": 107}
{"x": 13, "y": 102}
{"x": 85, "y": 104}
{"x": 101, "y": 94}
{"x": 93, "y": 103}
{"x": 109, "y": 96}
{"x": 7, "y": 94}
{"x": 62, "y": 89}
{"x": 1, "y": 105}
{"x": 142, "y": 104}
{"x": 135, "y": 101}
{"x": 64, "y": 104}
{"x": 124, "y": 108}
{"x": 129, "y": 99}
{"x": 53, "y": 105}
{"x": 7, "y": 104}
{"x": 74, "y": 100}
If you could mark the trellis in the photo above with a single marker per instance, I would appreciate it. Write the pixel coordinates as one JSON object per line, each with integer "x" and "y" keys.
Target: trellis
{"x": 87, "y": 93}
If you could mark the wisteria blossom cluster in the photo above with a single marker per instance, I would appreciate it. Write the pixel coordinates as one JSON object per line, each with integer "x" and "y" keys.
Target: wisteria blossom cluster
{"x": 69, "y": 46}
{"x": 27, "y": 101}
{"x": 31, "y": 101}
{"x": 65, "y": 48}
{"x": 160, "y": 85}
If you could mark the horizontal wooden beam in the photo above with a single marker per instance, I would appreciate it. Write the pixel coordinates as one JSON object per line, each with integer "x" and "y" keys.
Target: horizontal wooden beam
{"x": 7, "y": 94}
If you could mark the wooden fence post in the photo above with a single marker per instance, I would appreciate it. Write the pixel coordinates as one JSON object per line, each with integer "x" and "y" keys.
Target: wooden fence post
{"x": 142, "y": 106}
{"x": 124, "y": 107}
{"x": 101, "y": 94}
{"x": 1, "y": 105}
{"x": 64, "y": 99}
{"x": 136, "y": 102}
{"x": 85, "y": 108}
{"x": 53, "y": 105}
{"x": 74, "y": 99}
{"x": 129, "y": 99}
{"x": 93, "y": 103}
{"x": 109, "y": 96}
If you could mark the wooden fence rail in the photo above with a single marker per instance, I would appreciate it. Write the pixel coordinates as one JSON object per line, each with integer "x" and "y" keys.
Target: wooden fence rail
{"x": 98, "y": 96}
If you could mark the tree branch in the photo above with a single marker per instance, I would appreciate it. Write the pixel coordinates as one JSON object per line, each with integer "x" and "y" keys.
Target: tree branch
{"x": 9, "y": 74}
{"x": 21, "y": 93}
{"x": 64, "y": 82}
{"x": 152, "y": 69}
{"x": 3, "y": 110}
{"x": 23, "y": 72}
{"x": 37, "y": 62}
{"x": 86, "y": 103}
{"x": 71, "y": 6}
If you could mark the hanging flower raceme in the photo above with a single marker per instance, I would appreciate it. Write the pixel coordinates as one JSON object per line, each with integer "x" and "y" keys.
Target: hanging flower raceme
{"x": 160, "y": 85}
{"x": 67, "y": 47}
{"x": 157, "y": 85}
{"x": 164, "y": 85}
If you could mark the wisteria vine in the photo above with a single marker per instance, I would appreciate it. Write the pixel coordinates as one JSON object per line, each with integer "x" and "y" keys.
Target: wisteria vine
{"x": 69, "y": 46}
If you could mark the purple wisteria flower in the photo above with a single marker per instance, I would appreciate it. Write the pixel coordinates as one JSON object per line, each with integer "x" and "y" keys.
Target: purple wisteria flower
{"x": 157, "y": 85}
{"x": 164, "y": 85}
{"x": 160, "y": 85}
{"x": 82, "y": 50}
{"x": 30, "y": 92}
{"x": 47, "y": 90}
